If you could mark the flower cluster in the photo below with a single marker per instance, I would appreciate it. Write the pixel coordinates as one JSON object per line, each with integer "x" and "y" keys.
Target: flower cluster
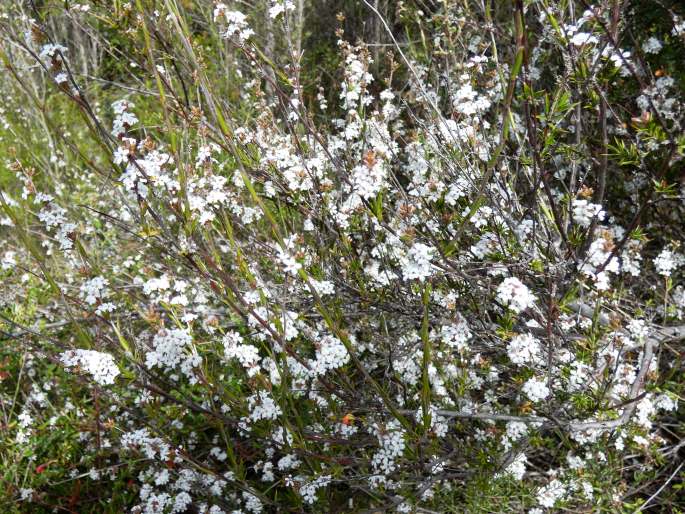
{"x": 54, "y": 217}
{"x": 101, "y": 366}
{"x": 417, "y": 263}
{"x": 236, "y": 23}
{"x": 524, "y": 349}
{"x": 171, "y": 350}
{"x": 584, "y": 212}
{"x": 515, "y": 295}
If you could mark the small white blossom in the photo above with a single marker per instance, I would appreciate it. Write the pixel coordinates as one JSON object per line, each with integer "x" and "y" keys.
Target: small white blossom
{"x": 652, "y": 46}
{"x": 308, "y": 490}
{"x": 513, "y": 293}
{"x": 173, "y": 349}
{"x": 456, "y": 335}
{"x": 278, "y": 7}
{"x": 391, "y": 439}
{"x": 524, "y": 349}
{"x": 331, "y": 354}
{"x": 536, "y": 390}
{"x": 548, "y": 495}
{"x": 100, "y": 365}
{"x": 667, "y": 262}
{"x": 583, "y": 38}
{"x": 417, "y": 263}
{"x": 584, "y": 212}
{"x": 94, "y": 290}
{"x": 517, "y": 469}
{"x": 262, "y": 406}
{"x": 246, "y": 354}
{"x": 236, "y": 23}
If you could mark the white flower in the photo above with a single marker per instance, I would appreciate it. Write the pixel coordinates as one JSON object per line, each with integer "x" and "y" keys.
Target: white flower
{"x": 548, "y": 495}
{"x": 100, "y": 365}
{"x": 597, "y": 254}
{"x": 513, "y": 293}
{"x": 9, "y": 260}
{"x": 575, "y": 462}
{"x": 173, "y": 349}
{"x": 285, "y": 255}
{"x": 51, "y": 50}
{"x": 392, "y": 442}
{"x": 588, "y": 490}
{"x": 246, "y": 354}
{"x": 181, "y": 502}
{"x": 667, "y": 262}
{"x": 323, "y": 287}
{"x": 652, "y": 46}
{"x": 515, "y": 431}
{"x": 404, "y": 508}
{"x": 678, "y": 27}
{"x": 369, "y": 180}
{"x": 417, "y": 263}
{"x": 308, "y": 490}
{"x": 25, "y": 419}
{"x": 262, "y": 406}
{"x": 618, "y": 59}
{"x": 124, "y": 117}
{"x": 290, "y": 264}
{"x": 252, "y": 503}
{"x": 356, "y": 80}
{"x": 536, "y": 390}
{"x": 524, "y": 349}
{"x": 456, "y": 335}
{"x": 104, "y": 308}
{"x": 467, "y": 101}
{"x": 584, "y": 212}
{"x": 331, "y": 354}
{"x": 151, "y": 447}
{"x": 518, "y": 467}
{"x": 236, "y": 23}
{"x": 279, "y": 7}
{"x": 665, "y": 402}
{"x": 638, "y": 329}
{"x": 156, "y": 284}
{"x": 94, "y": 289}
{"x": 54, "y": 216}
{"x": 583, "y": 38}
{"x": 458, "y": 189}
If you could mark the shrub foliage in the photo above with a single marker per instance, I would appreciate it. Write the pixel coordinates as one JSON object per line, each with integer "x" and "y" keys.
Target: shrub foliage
{"x": 341, "y": 256}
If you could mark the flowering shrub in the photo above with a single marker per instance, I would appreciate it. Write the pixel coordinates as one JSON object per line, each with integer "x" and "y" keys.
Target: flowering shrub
{"x": 444, "y": 276}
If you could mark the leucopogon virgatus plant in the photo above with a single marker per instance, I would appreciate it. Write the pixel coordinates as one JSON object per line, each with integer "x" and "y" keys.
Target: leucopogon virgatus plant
{"x": 373, "y": 257}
